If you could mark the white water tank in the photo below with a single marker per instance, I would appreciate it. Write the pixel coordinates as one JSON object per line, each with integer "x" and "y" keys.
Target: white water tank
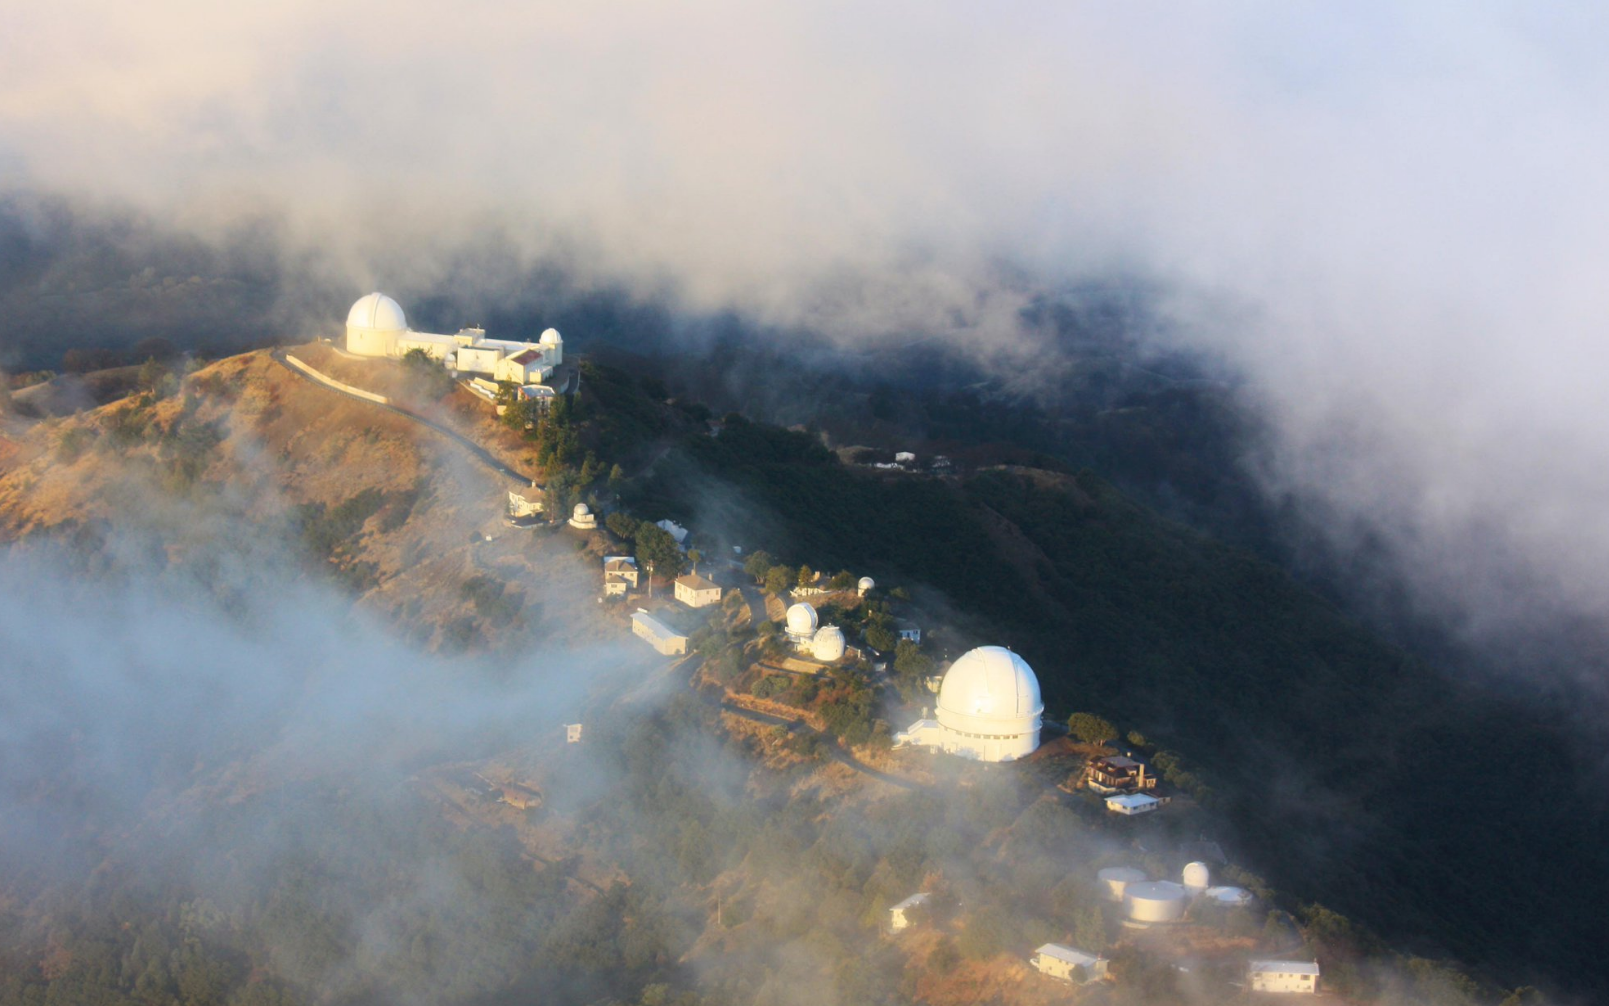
{"x": 1196, "y": 878}
{"x": 1155, "y": 901}
{"x": 1114, "y": 879}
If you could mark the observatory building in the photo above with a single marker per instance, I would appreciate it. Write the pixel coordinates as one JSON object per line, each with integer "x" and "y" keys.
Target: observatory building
{"x": 989, "y": 708}
{"x": 808, "y": 636}
{"x": 376, "y": 326}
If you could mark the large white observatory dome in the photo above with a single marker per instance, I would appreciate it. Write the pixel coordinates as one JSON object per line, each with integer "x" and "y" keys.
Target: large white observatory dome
{"x": 550, "y": 337}
{"x": 991, "y": 692}
{"x": 801, "y": 621}
{"x": 828, "y": 644}
{"x": 377, "y": 313}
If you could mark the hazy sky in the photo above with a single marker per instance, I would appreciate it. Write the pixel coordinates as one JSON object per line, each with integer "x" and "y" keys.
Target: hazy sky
{"x": 1393, "y": 211}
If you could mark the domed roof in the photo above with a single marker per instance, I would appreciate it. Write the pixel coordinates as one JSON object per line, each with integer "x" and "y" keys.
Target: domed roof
{"x": 551, "y": 337}
{"x": 990, "y": 683}
{"x": 581, "y": 510}
{"x": 378, "y": 313}
{"x": 801, "y": 619}
{"x": 1195, "y": 876}
{"x": 866, "y": 583}
{"x": 828, "y": 644}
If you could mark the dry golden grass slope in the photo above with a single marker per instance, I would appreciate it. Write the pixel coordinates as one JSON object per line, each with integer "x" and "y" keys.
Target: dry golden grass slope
{"x": 227, "y": 459}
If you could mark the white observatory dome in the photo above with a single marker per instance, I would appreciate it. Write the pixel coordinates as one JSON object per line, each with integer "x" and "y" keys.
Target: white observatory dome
{"x": 828, "y": 644}
{"x": 377, "y": 313}
{"x": 801, "y": 621}
{"x": 1116, "y": 880}
{"x": 1155, "y": 901}
{"x": 581, "y": 510}
{"x": 550, "y": 337}
{"x": 866, "y": 583}
{"x": 1196, "y": 877}
{"x": 990, "y": 690}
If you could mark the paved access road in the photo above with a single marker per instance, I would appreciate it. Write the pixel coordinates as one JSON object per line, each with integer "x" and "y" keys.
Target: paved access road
{"x": 480, "y": 453}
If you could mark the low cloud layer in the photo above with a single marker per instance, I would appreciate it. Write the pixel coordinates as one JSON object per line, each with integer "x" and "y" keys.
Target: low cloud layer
{"x": 1387, "y": 219}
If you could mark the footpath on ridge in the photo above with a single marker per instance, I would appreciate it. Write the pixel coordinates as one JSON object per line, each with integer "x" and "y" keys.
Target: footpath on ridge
{"x": 480, "y": 453}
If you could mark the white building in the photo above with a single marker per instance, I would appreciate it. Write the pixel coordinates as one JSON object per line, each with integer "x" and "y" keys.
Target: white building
{"x": 376, "y": 326}
{"x": 989, "y": 708}
{"x": 904, "y": 458}
{"x": 1062, "y": 962}
{"x": 673, "y": 529}
{"x": 1196, "y": 877}
{"x": 582, "y": 518}
{"x": 572, "y": 733}
{"x": 906, "y": 914}
{"x": 1132, "y": 803}
{"x": 619, "y": 575}
{"x": 524, "y": 502}
{"x": 659, "y": 635}
{"x": 865, "y": 586}
{"x": 697, "y": 591}
{"x": 1282, "y": 976}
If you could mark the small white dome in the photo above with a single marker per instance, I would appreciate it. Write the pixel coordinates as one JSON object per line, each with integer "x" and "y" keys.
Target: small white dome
{"x": 866, "y": 583}
{"x": 581, "y": 510}
{"x": 828, "y": 644}
{"x": 551, "y": 338}
{"x": 1196, "y": 877}
{"x": 801, "y": 620}
{"x": 377, "y": 313}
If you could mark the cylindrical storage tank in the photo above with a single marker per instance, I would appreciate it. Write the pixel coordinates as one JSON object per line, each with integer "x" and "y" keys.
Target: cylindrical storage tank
{"x": 1115, "y": 879}
{"x": 1155, "y": 901}
{"x": 828, "y": 644}
{"x": 1230, "y": 897}
{"x": 1196, "y": 877}
{"x": 866, "y": 584}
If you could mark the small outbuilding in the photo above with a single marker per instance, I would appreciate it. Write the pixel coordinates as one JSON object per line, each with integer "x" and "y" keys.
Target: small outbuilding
{"x": 619, "y": 575}
{"x": 658, "y": 635}
{"x": 908, "y": 912}
{"x": 1282, "y": 976}
{"x": 697, "y": 591}
{"x": 1130, "y": 804}
{"x": 1067, "y": 964}
{"x": 1119, "y": 774}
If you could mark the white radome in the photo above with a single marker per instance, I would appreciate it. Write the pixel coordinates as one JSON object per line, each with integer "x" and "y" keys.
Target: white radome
{"x": 550, "y": 337}
{"x": 866, "y": 584}
{"x": 802, "y": 621}
{"x": 581, "y": 510}
{"x": 377, "y": 313}
{"x": 828, "y": 644}
{"x": 1196, "y": 876}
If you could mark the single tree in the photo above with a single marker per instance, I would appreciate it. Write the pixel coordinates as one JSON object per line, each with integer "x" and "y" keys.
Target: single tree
{"x": 1091, "y": 729}
{"x": 758, "y": 564}
{"x": 778, "y": 579}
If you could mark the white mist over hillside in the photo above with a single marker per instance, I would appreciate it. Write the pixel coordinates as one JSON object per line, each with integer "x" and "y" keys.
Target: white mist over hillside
{"x": 1393, "y": 212}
